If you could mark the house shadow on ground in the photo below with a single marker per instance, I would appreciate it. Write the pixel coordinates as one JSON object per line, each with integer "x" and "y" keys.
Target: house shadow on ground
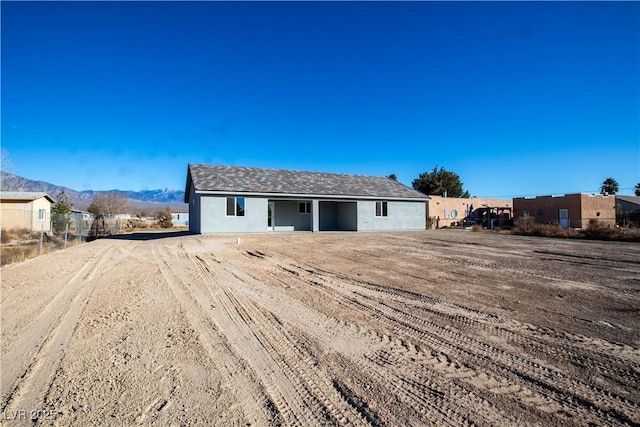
{"x": 150, "y": 235}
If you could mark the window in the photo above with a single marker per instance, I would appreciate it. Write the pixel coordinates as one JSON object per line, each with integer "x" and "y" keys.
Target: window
{"x": 525, "y": 214}
{"x": 304, "y": 207}
{"x": 382, "y": 209}
{"x": 235, "y": 206}
{"x": 41, "y": 214}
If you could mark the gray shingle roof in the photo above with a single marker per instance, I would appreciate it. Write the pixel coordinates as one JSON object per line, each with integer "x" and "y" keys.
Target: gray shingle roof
{"x": 235, "y": 179}
{"x": 630, "y": 199}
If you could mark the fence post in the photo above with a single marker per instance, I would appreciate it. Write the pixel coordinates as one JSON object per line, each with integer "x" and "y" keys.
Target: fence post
{"x": 66, "y": 232}
{"x": 41, "y": 236}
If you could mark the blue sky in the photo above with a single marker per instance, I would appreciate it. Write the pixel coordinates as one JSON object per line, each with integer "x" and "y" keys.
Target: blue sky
{"x": 517, "y": 98}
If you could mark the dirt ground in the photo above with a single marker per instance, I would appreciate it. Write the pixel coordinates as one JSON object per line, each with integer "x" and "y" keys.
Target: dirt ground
{"x": 427, "y": 328}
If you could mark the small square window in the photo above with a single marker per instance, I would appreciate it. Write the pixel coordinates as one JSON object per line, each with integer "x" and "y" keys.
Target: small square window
{"x": 525, "y": 214}
{"x": 382, "y": 209}
{"x": 304, "y": 207}
{"x": 235, "y": 206}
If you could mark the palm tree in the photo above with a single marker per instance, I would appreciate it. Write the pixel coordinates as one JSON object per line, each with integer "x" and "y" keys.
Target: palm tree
{"x": 609, "y": 186}
{"x": 637, "y": 190}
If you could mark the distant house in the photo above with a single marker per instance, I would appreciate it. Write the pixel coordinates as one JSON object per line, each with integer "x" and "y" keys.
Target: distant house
{"x": 449, "y": 211}
{"x": 180, "y": 218}
{"x": 78, "y": 215}
{"x": 240, "y": 199}
{"x": 626, "y": 204}
{"x": 31, "y": 210}
{"x": 628, "y": 210}
{"x": 569, "y": 211}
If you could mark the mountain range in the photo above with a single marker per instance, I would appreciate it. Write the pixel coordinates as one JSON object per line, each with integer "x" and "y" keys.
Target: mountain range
{"x": 138, "y": 200}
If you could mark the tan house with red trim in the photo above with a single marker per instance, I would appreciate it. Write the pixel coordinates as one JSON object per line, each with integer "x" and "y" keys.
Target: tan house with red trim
{"x": 569, "y": 211}
{"x": 29, "y": 210}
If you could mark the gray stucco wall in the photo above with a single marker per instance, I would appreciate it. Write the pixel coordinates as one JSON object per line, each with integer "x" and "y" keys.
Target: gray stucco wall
{"x": 214, "y": 217}
{"x": 402, "y": 216}
{"x": 287, "y": 215}
{"x": 207, "y": 214}
{"x": 194, "y": 211}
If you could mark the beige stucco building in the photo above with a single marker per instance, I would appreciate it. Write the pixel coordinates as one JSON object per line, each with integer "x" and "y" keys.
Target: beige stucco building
{"x": 569, "y": 211}
{"x": 25, "y": 210}
{"x": 449, "y": 211}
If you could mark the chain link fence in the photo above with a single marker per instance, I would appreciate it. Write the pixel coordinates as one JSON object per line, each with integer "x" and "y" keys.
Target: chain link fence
{"x": 26, "y": 233}
{"x": 83, "y": 227}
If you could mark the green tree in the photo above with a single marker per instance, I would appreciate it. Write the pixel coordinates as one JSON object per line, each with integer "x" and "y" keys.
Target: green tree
{"x": 609, "y": 186}
{"x": 60, "y": 212}
{"x": 393, "y": 177}
{"x": 637, "y": 189}
{"x": 439, "y": 181}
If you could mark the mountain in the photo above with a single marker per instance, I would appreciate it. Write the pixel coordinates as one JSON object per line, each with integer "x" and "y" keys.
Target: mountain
{"x": 138, "y": 200}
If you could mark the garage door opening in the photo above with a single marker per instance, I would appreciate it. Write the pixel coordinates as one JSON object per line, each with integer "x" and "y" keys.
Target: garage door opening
{"x": 338, "y": 216}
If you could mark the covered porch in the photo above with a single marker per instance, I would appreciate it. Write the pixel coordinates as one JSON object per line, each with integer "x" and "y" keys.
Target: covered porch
{"x": 312, "y": 215}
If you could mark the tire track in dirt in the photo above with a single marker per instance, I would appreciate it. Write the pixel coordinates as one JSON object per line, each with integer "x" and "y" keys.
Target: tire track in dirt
{"x": 427, "y": 403}
{"x": 603, "y": 346}
{"x": 287, "y": 369}
{"x": 619, "y": 359}
{"x": 30, "y": 367}
{"x": 196, "y": 304}
{"x": 339, "y": 400}
{"x": 509, "y": 368}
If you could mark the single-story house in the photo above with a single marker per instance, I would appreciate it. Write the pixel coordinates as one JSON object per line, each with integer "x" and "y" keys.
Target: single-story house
{"x": 242, "y": 199}
{"x": 569, "y": 210}
{"x": 25, "y": 209}
{"x": 450, "y": 211}
{"x": 180, "y": 218}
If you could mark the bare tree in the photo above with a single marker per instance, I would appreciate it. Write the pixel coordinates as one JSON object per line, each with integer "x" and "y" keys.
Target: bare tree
{"x": 108, "y": 204}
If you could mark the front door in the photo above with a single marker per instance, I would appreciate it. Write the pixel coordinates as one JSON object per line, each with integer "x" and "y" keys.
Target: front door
{"x": 271, "y": 214}
{"x": 563, "y": 218}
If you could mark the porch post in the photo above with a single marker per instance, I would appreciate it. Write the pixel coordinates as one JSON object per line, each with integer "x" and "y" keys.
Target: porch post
{"x": 315, "y": 213}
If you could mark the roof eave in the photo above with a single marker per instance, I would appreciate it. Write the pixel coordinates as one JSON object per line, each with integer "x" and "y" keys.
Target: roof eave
{"x": 310, "y": 196}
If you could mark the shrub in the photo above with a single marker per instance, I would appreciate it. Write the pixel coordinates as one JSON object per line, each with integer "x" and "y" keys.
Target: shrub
{"x": 528, "y": 227}
{"x": 598, "y": 231}
{"x": 164, "y": 218}
{"x": 476, "y": 228}
{"x": 13, "y": 254}
{"x": 430, "y": 222}
{"x": 19, "y": 234}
